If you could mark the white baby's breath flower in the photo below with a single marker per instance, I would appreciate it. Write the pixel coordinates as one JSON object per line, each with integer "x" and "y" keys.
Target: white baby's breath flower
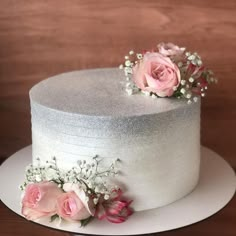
{"x": 95, "y": 201}
{"x": 97, "y": 189}
{"x": 128, "y": 85}
{"x": 180, "y": 64}
{"x": 139, "y": 56}
{"x": 188, "y": 95}
{"x": 51, "y": 174}
{"x": 191, "y": 79}
{"x": 128, "y": 70}
{"x": 146, "y": 93}
{"x": 199, "y": 62}
{"x": 38, "y": 178}
{"x": 187, "y": 54}
{"x": 129, "y": 91}
{"x": 121, "y": 67}
{"x": 183, "y": 90}
{"x": 128, "y": 63}
{"x": 192, "y": 57}
{"x": 175, "y": 88}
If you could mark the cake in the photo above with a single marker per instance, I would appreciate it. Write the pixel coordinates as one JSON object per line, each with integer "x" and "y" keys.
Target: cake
{"x": 82, "y": 116}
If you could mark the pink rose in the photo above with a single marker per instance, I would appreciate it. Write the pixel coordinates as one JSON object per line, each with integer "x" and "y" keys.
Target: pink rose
{"x": 40, "y": 200}
{"x": 114, "y": 209}
{"x": 170, "y": 49}
{"x": 79, "y": 191}
{"x": 156, "y": 73}
{"x": 70, "y": 207}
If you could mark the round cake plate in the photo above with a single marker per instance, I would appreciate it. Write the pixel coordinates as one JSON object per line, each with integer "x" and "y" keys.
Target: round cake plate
{"x": 215, "y": 189}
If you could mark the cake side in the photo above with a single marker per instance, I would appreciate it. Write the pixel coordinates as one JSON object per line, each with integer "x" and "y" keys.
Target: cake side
{"x": 157, "y": 140}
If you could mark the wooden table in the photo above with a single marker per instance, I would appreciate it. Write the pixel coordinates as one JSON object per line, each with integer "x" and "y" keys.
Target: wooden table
{"x": 42, "y": 38}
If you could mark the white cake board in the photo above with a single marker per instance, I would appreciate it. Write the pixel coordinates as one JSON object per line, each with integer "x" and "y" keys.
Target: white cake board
{"x": 216, "y": 187}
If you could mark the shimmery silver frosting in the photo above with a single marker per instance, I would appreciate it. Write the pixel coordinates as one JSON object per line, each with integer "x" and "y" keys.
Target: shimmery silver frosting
{"x": 83, "y": 113}
{"x": 97, "y": 92}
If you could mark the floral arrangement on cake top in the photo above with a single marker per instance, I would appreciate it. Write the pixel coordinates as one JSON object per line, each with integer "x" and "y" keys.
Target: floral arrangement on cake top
{"x": 168, "y": 71}
{"x": 76, "y": 195}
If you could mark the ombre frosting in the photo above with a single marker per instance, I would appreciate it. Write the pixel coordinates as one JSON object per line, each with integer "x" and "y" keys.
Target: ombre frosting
{"x": 80, "y": 114}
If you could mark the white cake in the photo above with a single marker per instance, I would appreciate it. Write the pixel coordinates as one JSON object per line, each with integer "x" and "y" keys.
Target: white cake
{"x": 80, "y": 114}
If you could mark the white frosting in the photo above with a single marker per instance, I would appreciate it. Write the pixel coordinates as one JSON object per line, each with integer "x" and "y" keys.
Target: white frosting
{"x": 80, "y": 114}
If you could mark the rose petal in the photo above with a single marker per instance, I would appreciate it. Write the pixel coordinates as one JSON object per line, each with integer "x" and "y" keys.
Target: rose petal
{"x": 116, "y": 219}
{"x": 40, "y": 200}
{"x": 70, "y": 207}
{"x": 89, "y": 205}
{"x": 156, "y": 73}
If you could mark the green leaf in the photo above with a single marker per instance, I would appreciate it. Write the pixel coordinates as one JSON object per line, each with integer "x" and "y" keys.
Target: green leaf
{"x": 54, "y": 217}
{"x": 86, "y": 221}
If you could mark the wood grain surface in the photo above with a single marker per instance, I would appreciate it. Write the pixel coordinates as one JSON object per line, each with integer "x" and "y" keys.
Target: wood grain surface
{"x": 39, "y": 39}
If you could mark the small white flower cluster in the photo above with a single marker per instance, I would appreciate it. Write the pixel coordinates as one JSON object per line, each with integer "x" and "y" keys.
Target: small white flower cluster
{"x": 191, "y": 86}
{"x": 89, "y": 175}
{"x": 193, "y": 58}
{"x": 130, "y": 61}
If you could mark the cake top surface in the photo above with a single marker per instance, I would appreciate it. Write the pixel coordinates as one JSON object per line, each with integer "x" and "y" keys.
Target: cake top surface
{"x": 97, "y": 92}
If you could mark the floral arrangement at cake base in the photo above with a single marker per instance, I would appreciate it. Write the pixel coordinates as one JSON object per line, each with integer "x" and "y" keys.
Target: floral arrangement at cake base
{"x": 167, "y": 71}
{"x": 79, "y": 194}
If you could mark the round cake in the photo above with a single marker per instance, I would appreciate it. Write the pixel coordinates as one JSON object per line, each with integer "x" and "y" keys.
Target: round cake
{"x": 80, "y": 114}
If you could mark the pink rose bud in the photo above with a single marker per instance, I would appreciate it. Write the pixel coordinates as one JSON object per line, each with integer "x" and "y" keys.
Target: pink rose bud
{"x": 115, "y": 210}
{"x": 170, "y": 49}
{"x": 156, "y": 73}
{"x": 40, "y": 200}
{"x": 70, "y": 207}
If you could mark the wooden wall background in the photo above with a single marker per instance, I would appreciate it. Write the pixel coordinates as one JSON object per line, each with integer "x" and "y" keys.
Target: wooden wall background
{"x": 42, "y": 38}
